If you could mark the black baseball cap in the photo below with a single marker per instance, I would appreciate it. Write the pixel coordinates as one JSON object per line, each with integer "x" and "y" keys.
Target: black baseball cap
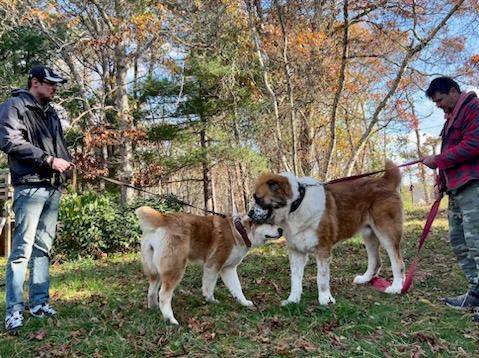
{"x": 41, "y": 73}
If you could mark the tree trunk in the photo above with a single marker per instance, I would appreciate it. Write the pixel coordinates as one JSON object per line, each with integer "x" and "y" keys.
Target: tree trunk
{"x": 337, "y": 95}
{"x": 243, "y": 183}
{"x": 104, "y": 164}
{"x": 264, "y": 71}
{"x": 124, "y": 116}
{"x": 305, "y": 152}
{"x": 81, "y": 87}
{"x": 207, "y": 185}
{"x": 213, "y": 189}
{"x": 287, "y": 73}
{"x": 422, "y": 171}
{"x": 242, "y": 179}
{"x": 231, "y": 191}
{"x": 420, "y": 154}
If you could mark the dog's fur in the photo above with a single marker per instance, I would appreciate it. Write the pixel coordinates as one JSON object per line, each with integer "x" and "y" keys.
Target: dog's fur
{"x": 329, "y": 214}
{"x": 170, "y": 240}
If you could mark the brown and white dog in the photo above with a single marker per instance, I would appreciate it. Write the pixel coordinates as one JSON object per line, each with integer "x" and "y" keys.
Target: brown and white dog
{"x": 220, "y": 244}
{"x": 315, "y": 217}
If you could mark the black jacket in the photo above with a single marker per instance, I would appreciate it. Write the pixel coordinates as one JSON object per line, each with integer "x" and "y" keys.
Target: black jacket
{"x": 29, "y": 134}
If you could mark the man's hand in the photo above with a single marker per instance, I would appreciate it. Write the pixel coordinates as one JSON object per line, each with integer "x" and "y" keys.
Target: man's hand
{"x": 60, "y": 165}
{"x": 430, "y": 161}
{"x": 437, "y": 194}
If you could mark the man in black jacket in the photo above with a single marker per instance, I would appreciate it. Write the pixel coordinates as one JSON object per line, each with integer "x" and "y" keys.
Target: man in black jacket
{"x": 32, "y": 137}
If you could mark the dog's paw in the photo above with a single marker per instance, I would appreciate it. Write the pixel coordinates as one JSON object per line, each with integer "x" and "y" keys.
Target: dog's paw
{"x": 172, "y": 321}
{"x": 362, "y": 279}
{"x": 247, "y": 303}
{"x": 394, "y": 289}
{"x": 326, "y": 299}
{"x": 289, "y": 302}
{"x": 211, "y": 300}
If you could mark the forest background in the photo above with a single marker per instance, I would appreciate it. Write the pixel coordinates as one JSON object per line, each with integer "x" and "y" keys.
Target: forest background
{"x": 196, "y": 98}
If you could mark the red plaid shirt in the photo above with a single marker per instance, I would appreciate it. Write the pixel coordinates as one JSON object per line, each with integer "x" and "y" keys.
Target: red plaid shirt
{"x": 458, "y": 162}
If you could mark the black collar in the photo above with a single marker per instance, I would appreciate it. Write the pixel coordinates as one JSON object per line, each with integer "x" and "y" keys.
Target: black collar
{"x": 241, "y": 230}
{"x": 295, "y": 205}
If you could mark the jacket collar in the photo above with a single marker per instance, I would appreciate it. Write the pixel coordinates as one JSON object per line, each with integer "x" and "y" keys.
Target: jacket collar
{"x": 29, "y": 100}
{"x": 452, "y": 117}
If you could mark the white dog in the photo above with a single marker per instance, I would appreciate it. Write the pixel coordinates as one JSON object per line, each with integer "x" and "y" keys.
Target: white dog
{"x": 315, "y": 217}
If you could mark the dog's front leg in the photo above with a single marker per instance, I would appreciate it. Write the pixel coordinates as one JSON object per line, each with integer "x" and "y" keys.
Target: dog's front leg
{"x": 210, "y": 276}
{"x": 323, "y": 260}
{"x": 297, "y": 261}
{"x": 229, "y": 275}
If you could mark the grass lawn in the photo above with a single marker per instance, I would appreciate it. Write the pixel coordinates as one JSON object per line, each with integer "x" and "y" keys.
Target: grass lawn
{"x": 102, "y": 310}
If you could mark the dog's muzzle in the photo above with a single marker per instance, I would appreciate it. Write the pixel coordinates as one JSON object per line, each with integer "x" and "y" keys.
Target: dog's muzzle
{"x": 260, "y": 215}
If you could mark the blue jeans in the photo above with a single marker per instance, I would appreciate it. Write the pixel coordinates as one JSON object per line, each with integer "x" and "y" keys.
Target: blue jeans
{"x": 36, "y": 213}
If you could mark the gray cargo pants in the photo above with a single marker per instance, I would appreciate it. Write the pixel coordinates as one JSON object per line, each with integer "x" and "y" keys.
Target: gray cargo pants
{"x": 464, "y": 230}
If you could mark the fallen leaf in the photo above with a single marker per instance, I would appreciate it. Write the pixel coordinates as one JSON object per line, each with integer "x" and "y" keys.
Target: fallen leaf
{"x": 304, "y": 344}
{"x": 39, "y": 336}
{"x": 209, "y": 336}
{"x": 275, "y": 323}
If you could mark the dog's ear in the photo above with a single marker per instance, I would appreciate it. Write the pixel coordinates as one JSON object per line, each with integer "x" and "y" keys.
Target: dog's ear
{"x": 273, "y": 185}
{"x": 246, "y": 222}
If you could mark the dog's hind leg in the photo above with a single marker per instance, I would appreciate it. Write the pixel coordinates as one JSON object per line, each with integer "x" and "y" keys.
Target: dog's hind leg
{"x": 389, "y": 238}
{"x": 150, "y": 258}
{"x": 153, "y": 291}
{"x": 169, "y": 281}
{"x": 297, "y": 261}
{"x": 210, "y": 276}
{"x": 229, "y": 275}
{"x": 374, "y": 261}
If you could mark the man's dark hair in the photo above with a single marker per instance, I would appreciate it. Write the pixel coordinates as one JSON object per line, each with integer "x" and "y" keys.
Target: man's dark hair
{"x": 442, "y": 85}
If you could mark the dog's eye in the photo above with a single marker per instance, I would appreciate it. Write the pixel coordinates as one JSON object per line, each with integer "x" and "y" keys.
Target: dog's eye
{"x": 274, "y": 186}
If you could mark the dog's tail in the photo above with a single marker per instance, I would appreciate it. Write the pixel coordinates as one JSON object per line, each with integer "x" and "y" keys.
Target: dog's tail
{"x": 151, "y": 251}
{"x": 149, "y": 218}
{"x": 148, "y": 259}
{"x": 392, "y": 174}
{"x": 151, "y": 246}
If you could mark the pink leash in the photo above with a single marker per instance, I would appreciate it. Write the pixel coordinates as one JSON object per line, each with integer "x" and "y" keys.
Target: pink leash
{"x": 353, "y": 177}
{"x": 380, "y": 283}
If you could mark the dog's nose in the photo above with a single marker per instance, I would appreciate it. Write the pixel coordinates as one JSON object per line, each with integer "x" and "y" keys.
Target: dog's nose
{"x": 280, "y": 232}
{"x": 251, "y": 214}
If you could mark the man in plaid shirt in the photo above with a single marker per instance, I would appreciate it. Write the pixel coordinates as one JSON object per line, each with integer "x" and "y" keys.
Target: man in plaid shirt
{"x": 458, "y": 166}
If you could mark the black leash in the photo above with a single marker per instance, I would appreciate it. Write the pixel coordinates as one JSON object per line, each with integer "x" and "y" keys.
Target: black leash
{"x": 167, "y": 197}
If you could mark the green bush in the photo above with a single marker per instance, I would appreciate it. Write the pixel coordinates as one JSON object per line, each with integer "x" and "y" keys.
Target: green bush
{"x": 93, "y": 224}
